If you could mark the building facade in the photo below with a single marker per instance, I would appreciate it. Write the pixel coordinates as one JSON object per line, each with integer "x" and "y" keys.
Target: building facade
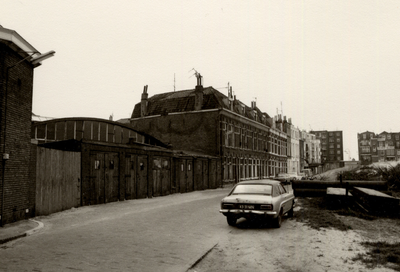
{"x": 311, "y": 153}
{"x": 331, "y": 148}
{"x": 249, "y": 142}
{"x": 293, "y": 149}
{"x": 378, "y": 147}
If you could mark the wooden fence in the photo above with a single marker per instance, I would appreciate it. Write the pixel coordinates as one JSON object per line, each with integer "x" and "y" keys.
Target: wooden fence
{"x": 58, "y": 182}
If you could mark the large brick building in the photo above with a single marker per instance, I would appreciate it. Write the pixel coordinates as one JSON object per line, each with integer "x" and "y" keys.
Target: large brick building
{"x": 17, "y": 177}
{"x": 331, "y": 148}
{"x": 378, "y": 147}
{"x": 250, "y": 143}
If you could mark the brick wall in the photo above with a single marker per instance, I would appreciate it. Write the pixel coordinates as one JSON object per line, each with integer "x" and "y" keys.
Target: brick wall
{"x": 16, "y": 111}
{"x": 197, "y": 131}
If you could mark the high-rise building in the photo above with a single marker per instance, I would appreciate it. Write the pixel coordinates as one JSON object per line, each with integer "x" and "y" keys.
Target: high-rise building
{"x": 331, "y": 147}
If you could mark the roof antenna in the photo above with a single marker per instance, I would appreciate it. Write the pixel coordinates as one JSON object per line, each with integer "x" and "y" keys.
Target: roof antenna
{"x": 174, "y": 83}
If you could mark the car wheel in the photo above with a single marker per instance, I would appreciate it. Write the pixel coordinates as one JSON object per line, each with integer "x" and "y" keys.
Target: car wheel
{"x": 231, "y": 220}
{"x": 278, "y": 220}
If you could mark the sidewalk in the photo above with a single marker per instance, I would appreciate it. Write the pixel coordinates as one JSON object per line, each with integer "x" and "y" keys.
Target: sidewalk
{"x": 19, "y": 229}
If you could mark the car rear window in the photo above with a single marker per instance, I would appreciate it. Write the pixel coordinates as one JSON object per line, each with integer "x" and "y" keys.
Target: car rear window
{"x": 261, "y": 189}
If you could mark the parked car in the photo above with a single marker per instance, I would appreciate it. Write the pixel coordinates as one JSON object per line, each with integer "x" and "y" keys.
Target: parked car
{"x": 285, "y": 177}
{"x": 262, "y": 199}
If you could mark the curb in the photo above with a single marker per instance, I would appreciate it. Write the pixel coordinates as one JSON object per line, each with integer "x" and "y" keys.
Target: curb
{"x": 40, "y": 226}
{"x": 26, "y": 233}
{"x": 6, "y": 240}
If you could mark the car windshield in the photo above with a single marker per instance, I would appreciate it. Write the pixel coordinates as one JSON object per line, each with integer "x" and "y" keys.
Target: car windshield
{"x": 260, "y": 189}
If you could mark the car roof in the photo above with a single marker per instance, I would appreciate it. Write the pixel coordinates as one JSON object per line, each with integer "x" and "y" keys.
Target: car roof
{"x": 261, "y": 181}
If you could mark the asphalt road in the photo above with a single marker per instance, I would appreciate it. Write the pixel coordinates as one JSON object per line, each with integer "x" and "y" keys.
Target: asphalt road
{"x": 180, "y": 232}
{"x": 167, "y": 233}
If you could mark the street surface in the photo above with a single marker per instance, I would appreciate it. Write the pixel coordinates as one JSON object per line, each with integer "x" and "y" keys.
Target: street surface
{"x": 180, "y": 232}
{"x": 160, "y": 234}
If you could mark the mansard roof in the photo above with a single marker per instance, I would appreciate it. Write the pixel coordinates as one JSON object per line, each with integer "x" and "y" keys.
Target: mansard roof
{"x": 184, "y": 101}
{"x": 181, "y": 101}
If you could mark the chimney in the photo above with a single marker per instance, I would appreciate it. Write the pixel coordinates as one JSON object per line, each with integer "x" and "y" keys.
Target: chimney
{"x": 230, "y": 98}
{"x": 198, "y": 93}
{"x": 253, "y": 105}
{"x": 144, "y": 102}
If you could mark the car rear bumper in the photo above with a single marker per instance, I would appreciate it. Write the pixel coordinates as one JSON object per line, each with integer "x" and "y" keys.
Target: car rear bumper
{"x": 237, "y": 212}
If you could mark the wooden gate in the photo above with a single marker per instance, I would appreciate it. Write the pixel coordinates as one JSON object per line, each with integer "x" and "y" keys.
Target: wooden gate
{"x": 198, "y": 175}
{"x": 104, "y": 177}
{"x": 212, "y": 174}
{"x": 161, "y": 176}
{"x": 130, "y": 177}
{"x": 58, "y": 180}
{"x": 189, "y": 175}
{"x": 205, "y": 174}
{"x": 141, "y": 177}
{"x": 181, "y": 175}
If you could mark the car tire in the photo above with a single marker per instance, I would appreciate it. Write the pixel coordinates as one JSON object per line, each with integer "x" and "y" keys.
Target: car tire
{"x": 231, "y": 220}
{"x": 278, "y": 220}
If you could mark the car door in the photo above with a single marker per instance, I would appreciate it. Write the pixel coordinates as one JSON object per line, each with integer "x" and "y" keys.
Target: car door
{"x": 285, "y": 198}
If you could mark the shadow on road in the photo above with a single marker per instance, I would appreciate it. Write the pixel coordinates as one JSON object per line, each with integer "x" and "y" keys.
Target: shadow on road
{"x": 243, "y": 223}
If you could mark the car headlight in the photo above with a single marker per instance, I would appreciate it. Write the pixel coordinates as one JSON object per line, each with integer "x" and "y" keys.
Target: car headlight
{"x": 266, "y": 207}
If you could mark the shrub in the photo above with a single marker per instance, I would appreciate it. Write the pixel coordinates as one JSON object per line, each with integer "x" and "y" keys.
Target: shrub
{"x": 391, "y": 174}
{"x": 360, "y": 174}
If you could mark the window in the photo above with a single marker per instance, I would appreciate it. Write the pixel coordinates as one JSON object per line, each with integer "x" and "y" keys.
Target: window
{"x": 252, "y": 189}
{"x": 364, "y": 136}
{"x": 281, "y": 189}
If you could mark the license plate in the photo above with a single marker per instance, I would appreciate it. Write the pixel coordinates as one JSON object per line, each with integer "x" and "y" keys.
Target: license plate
{"x": 248, "y": 207}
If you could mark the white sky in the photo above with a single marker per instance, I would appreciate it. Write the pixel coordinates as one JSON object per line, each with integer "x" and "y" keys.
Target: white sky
{"x": 334, "y": 65}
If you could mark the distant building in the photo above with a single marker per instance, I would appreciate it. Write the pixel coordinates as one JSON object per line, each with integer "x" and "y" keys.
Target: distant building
{"x": 293, "y": 149}
{"x": 311, "y": 153}
{"x": 17, "y": 172}
{"x": 331, "y": 148}
{"x": 250, "y": 143}
{"x": 378, "y": 147}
